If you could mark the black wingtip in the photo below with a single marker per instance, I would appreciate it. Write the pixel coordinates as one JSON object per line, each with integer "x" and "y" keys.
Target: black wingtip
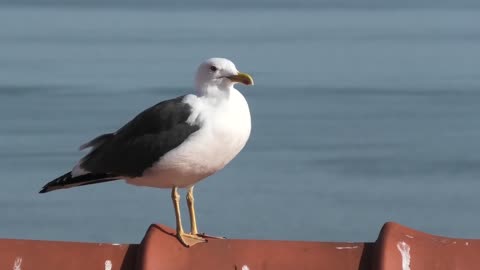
{"x": 45, "y": 189}
{"x": 67, "y": 181}
{"x": 56, "y": 183}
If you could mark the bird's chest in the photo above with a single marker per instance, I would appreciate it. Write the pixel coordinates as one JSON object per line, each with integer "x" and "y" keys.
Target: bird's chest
{"x": 225, "y": 136}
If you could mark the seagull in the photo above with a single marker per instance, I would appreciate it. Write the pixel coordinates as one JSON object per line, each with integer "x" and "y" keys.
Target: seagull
{"x": 173, "y": 144}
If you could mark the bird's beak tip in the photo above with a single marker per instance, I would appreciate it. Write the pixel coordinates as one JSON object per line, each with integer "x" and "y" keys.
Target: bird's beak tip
{"x": 243, "y": 78}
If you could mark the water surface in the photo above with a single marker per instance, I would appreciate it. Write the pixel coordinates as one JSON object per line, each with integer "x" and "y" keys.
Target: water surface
{"x": 359, "y": 117}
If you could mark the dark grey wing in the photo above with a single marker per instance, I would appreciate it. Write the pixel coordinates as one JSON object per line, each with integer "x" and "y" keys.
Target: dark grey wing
{"x": 97, "y": 141}
{"x": 143, "y": 141}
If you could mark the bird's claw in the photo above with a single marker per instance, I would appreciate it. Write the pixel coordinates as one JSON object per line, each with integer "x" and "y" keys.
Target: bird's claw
{"x": 189, "y": 240}
{"x": 204, "y": 235}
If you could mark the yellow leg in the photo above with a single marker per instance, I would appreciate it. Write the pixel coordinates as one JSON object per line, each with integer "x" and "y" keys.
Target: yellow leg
{"x": 191, "y": 210}
{"x": 186, "y": 239}
{"x": 193, "y": 219}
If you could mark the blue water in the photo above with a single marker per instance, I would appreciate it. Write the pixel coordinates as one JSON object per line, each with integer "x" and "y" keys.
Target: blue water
{"x": 359, "y": 117}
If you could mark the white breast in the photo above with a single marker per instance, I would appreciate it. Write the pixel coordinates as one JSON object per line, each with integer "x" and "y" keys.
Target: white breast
{"x": 225, "y": 129}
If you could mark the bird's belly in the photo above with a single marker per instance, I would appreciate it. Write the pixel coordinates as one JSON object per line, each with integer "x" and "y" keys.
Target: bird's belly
{"x": 165, "y": 178}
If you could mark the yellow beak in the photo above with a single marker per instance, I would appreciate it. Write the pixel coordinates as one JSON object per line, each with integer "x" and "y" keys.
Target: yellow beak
{"x": 242, "y": 78}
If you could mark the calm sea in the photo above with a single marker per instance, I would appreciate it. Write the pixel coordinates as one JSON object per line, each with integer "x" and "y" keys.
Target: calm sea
{"x": 359, "y": 117}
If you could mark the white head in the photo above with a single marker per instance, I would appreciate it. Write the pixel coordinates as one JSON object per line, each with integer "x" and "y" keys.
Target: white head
{"x": 218, "y": 75}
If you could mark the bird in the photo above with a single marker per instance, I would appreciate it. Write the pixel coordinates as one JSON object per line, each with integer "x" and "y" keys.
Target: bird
{"x": 173, "y": 144}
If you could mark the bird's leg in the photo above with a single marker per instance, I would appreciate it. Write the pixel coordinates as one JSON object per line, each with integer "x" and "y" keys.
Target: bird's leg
{"x": 191, "y": 210}
{"x": 187, "y": 240}
{"x": 176, "y": 206}
{"x": 193, "y": 219}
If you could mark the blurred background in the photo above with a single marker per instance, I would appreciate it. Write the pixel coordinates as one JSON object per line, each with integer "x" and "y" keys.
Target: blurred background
{"x": 363, "y": 112}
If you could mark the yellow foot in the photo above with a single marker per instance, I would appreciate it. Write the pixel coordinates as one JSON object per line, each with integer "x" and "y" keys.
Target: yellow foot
{"x": 204, "y": 235}
{"x": 189, "y": 240}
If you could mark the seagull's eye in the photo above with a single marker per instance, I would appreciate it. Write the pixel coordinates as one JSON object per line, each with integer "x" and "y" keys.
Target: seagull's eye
{"x": 213, "y": 68}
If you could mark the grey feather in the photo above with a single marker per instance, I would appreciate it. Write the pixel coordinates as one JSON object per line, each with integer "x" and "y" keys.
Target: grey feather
{"x": 97, "y": 141}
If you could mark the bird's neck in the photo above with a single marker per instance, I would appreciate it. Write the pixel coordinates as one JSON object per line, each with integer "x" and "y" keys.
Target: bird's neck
{"x": 214, "y": 92}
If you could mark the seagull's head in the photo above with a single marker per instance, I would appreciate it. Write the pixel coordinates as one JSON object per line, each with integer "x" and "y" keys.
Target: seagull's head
{"x": 219, "y": 73}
